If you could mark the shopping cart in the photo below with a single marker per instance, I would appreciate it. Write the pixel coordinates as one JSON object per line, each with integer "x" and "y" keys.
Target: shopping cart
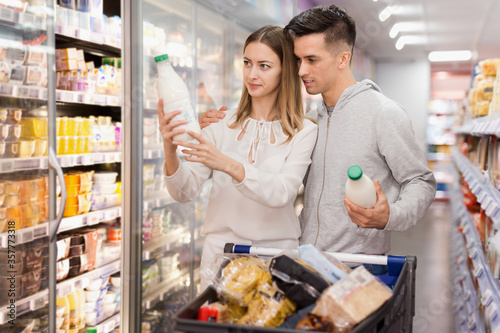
{"x": 395, "y": 315}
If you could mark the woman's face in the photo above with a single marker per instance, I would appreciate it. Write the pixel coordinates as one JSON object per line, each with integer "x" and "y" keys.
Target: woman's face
{"x": 261, "y": 70}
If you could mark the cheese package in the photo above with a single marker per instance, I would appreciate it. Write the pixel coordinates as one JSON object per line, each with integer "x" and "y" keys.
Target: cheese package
{"x": 353, "y": 298}
{"x": 489, "y": 66}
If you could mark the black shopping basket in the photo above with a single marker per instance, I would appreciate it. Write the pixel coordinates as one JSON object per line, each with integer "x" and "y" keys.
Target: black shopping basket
{"x": 395, "y": 315}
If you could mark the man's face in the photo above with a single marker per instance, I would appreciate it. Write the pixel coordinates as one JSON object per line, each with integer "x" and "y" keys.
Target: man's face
{"x": 317, "y": 65}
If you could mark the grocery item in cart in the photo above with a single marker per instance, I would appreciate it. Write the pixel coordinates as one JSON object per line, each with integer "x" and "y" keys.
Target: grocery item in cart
{"x": 352, "y": 299}
{"x": 299, "y": 282}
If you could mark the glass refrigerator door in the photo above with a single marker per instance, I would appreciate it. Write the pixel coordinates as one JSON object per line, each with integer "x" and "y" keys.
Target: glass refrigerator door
{"x": 163, "y": 239}
{"x": 26, "y": 109}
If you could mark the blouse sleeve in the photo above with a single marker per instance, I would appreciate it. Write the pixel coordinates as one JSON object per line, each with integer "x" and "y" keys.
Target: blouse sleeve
{"x": 184, "y": 185}
{"x": 277, "y": 190}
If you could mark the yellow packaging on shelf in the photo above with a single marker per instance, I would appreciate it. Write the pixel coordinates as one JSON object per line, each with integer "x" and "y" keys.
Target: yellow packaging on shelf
{"x": 495, "y": 100}
{"x": 34, "y": 127}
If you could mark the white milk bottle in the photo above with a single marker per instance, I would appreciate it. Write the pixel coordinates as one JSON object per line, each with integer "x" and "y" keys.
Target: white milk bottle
{"x": 359, "y": 188}
{"x": 175, "y": 95}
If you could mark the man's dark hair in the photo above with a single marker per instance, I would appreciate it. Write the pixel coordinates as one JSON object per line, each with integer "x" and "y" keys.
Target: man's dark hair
{"x": 330, "y": 20}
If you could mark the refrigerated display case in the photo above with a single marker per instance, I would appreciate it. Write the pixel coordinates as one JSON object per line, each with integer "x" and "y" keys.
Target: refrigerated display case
{"x": 204, "y": 41}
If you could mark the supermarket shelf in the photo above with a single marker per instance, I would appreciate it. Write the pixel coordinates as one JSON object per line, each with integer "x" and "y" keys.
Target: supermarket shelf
{"x": 166, "y": 243}
{"x": 62, "y": 96}
{"x": 490, "y": 290}
{"x": 98, "y": 44}
{"x": 442, "y": 195}
{"x": 489, "y": 125}
{"x": 8, "y": 165}
{"x": 24, "y": 92}
{"x": 438, "y": 157}
{"x": 24, "y": 21}
{"x": 78, "y": 97}
{"x": 157, "y": 199}
{"x": 92, "y": 218}
{"x": 109, "y": 324}
{"x": 465, "y": 302}
{"x": 162, "y": 290}
{"x": 64, "y": 288}
{"x": 153, "y": 153}
{"x": 441, "y": 143}
{"x": 29, "y": 234}
{"x": 480, "y": 185}
{"x": 443, "y": 177}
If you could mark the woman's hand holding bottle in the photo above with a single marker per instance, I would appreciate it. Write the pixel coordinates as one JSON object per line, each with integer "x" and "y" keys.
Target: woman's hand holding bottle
{"x": 205, "y": 152}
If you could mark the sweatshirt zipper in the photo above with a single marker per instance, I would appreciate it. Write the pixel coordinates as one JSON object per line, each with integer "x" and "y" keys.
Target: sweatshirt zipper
{"x": 323, "y": 184}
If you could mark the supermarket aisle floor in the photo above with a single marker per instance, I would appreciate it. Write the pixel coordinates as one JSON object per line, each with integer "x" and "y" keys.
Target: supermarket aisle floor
{"x": 429, "y": 241}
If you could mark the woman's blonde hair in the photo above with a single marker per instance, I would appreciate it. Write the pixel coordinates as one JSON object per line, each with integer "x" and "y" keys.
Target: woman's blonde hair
{"x": 289, "y": 102}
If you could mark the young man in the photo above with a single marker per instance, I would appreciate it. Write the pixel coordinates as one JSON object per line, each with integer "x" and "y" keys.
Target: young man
{"x": 357, "y": 125}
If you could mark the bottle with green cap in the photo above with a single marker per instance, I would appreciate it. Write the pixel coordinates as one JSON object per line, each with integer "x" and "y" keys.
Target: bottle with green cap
{"x": 359, "y": 188}
{"x": 175, "y": 95}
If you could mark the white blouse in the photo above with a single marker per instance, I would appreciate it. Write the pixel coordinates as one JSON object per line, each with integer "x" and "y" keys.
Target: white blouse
{"x": 260, "y": 208}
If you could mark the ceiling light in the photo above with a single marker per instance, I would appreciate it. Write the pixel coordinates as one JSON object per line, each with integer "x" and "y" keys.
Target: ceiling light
{"x": 406, "y": 27}
{"x": 410, "y": 39}
{"x": 461, "y": 55}
{"x": 400, "y": 43}
{"x": 394, "y": 31}
{"x": 385, "y": 13}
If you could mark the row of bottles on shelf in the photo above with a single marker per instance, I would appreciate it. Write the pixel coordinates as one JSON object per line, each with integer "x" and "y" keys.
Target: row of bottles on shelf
{"x": 484, "y": 153}
{"x": 27, "y": 137}
{"x": 75, "y": 74}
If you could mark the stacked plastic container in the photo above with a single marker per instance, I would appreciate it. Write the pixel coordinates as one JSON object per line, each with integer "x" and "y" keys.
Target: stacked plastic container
{"x": 107, "y": 191}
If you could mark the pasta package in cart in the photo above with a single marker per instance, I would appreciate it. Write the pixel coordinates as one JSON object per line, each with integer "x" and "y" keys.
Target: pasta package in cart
{"x": 236, "y": 277}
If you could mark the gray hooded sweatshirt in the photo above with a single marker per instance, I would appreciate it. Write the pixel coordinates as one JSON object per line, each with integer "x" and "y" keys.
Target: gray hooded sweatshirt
{"x": 367, "y": 129}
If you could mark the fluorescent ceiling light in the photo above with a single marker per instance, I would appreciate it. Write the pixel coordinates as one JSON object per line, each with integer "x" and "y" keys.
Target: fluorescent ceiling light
{"x": 410, "y": 39}
{"x": 461, "y": 55}
{"x": 385, "y": 13}
{"x": 405, "y": 27}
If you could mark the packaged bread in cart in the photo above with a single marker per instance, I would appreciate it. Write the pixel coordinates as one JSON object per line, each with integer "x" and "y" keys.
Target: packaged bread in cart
{"x": 352, "y": 299}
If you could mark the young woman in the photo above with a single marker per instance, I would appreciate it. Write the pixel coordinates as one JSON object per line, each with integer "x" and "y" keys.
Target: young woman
{"x": 257, "y": 155}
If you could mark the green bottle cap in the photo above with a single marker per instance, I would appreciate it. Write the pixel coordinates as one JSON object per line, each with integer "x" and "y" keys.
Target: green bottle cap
{"x": 161, "y": 57}
{"x": 92, "y": 330}
{"x": 354, "y": 172}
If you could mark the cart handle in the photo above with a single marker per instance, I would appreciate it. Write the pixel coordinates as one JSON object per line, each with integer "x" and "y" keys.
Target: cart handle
{"x": 394, "y": 263}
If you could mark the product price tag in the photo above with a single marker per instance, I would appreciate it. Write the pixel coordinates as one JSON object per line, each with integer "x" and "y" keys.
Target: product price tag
{"x": 473, "y": 253}
{"x": 64, "y": 290}
{"x": 109, "y": 158}
{"x": 22, "y": 308}
{"x": 93, "y": 218}
{"x": 38, "y": 302}
{"x": 26, "y": 236}
{"x": 100, "y": 99}
{"x": 478, "y": 271}
{"x": 41, "y": 231}
{"x": 109, "y": 326}
{"x": 7, "y": 89}
{"x": 26, "y": 19}
{"x": 6, "y": 166}
{"x": 110, "y": 215}
{"x": 83, "y": 34}
{"x": 7, "y": 14}
{"x": 21, "y": 92}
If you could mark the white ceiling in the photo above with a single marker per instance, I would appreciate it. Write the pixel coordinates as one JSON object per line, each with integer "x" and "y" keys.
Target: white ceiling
{"x": 447, "y": 25}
